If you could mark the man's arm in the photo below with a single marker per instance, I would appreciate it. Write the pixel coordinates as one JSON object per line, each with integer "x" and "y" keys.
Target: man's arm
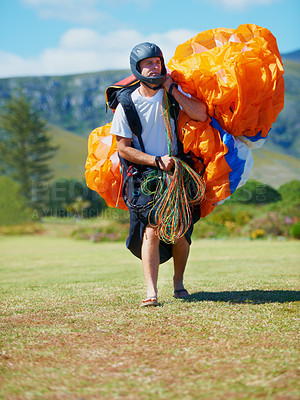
{"x": 193, "y": 107}
{"x": 138, "y": 157}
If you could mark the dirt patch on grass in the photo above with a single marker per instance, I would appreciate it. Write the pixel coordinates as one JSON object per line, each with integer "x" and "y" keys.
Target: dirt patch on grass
{"x": 133, "y": 354}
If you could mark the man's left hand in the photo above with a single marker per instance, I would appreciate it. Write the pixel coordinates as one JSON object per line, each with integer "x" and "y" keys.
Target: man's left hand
{"x": 168, "y": 82}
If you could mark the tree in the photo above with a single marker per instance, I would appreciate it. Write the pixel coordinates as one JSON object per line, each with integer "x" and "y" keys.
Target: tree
{"x": 25, "y": 147}
{"x": 254, "y": 192}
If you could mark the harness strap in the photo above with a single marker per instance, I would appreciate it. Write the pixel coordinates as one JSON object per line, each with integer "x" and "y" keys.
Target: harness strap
{"x": 124, "y": 98}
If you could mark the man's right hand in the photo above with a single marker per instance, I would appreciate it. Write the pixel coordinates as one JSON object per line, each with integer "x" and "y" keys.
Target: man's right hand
{"x": 166, "y": 163}
{"x": 138, "y": 157}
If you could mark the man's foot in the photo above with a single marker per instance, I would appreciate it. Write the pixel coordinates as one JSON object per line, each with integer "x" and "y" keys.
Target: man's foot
{"x": 181, "y": 294}
{"x": 149, "y": 301}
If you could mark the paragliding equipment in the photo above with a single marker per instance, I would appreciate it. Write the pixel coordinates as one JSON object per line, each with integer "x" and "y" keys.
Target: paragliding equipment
{"x": 238, "y": 73}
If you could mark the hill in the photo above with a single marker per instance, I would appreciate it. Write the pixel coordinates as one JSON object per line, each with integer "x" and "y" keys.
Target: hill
{"x": 293, "y": 56}
{"x": 70, "y": 159}
{"x": 274, "y": 168}
{"x": 285, "y": 132}
{"x": 270, "y": 166}
{"x": 76, "y": 103}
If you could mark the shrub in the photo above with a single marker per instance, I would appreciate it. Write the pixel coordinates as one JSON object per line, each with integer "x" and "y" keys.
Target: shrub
{"x": 110, "y": 233}
{"x": 272, "y": 223}
{"x": 205, "y": 228}
{"x": 71, "y": 197}
{"x": 290, "y": 191}
{"x": 254, "y": 192}
{"x": 258, "y": 234}
{"x": 242, "y": 217}
{"x": 295, "y": 230}
{"x": 222, "y": 216}
{"x": 27, "y": 228}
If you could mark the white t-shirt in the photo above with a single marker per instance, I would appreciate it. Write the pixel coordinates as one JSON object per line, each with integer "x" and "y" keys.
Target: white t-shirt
{"x": 153, "y": 126}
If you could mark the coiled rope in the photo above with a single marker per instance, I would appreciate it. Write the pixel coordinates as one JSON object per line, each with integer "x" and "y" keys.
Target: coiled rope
{"x": 176, "y": 193}
{"x": 181, "y": 189}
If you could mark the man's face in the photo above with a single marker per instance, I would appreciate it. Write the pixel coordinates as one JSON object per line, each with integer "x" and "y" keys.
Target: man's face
{"x": 151, "y": 66}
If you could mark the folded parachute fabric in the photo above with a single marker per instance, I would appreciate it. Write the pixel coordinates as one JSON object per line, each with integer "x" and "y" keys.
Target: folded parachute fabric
{"x": 239, "y": 75}
{"x": 103, "y": 167}
{"x": 228, "y": 160}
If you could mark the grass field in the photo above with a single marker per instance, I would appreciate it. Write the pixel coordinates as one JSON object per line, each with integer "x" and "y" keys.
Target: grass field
{"x": 72, "y": 328}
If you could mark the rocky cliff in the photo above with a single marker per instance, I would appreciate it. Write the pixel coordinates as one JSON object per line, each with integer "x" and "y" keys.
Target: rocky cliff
{"x": 76, "y": 103}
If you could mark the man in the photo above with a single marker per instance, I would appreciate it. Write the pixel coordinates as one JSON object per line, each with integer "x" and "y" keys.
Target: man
{"x": 147, "y": 64}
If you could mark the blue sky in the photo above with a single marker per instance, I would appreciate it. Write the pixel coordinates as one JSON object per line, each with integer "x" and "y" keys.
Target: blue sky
{"x": 58, "y": 37}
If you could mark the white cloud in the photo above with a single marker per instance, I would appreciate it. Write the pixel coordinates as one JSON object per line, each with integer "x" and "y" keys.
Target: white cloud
{"x": 78, "y": 11}
{"x": 86, "y": 50}
{"x": 80, "y": 38}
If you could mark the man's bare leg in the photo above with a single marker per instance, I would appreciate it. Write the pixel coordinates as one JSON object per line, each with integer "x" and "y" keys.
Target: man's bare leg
{"x": 180, "y": 255}
{"x": 150, "y": 260}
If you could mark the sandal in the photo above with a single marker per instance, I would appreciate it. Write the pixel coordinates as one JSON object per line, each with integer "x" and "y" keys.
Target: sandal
{"x": 181, "y": 294}
{"x": 149, "y": 301}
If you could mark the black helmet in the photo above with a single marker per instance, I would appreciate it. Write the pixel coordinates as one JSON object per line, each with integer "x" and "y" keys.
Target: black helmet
{"x": 139, "y": 53}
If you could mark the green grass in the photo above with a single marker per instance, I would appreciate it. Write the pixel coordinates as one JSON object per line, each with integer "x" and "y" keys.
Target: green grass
{"x": 71, "y": 326}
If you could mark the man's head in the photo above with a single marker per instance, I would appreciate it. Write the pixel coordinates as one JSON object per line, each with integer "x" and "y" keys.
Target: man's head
{"x": 151, "y": 56}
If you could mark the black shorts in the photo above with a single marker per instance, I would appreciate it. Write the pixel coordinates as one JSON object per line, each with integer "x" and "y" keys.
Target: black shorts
{"x": 139, "y": 221}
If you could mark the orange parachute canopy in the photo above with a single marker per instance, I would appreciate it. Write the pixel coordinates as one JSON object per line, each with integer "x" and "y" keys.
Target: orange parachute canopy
{"x": 103, "y": 167}
{"x": 238, "y": 73}
{"x": 204, "y": 141}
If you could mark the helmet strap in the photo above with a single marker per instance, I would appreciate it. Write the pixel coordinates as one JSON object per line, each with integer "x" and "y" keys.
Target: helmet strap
{"x": 153, "y": 88}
